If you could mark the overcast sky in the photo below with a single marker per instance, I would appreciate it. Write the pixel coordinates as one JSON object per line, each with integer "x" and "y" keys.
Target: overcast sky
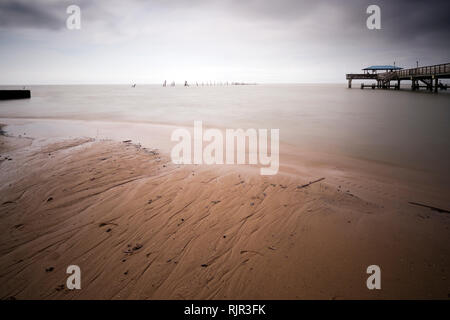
{"x": 201, "y": 40}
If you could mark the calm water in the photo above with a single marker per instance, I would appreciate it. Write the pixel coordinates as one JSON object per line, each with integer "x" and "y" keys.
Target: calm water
{"x": 398, "y": 127}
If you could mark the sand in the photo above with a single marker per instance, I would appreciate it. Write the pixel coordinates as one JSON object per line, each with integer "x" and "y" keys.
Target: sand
{"x": 140, "y": 227}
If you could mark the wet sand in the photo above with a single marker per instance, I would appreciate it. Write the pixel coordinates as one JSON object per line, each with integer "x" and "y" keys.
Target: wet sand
{"x": 141, "y": 227}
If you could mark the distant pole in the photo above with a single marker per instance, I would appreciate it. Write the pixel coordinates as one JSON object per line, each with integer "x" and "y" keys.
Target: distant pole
{"x": 417, "y": 63}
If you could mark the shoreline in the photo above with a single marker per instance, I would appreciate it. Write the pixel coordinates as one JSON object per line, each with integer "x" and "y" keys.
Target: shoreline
{"x": 203, "y": 232}
{"x": 403, "y": 183}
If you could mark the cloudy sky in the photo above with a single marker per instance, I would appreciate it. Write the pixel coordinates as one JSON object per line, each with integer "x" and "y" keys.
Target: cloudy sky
{"x": 227, "y": 40}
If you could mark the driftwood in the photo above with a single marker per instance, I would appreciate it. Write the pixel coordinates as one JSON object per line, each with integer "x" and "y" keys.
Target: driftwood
{"x": 429, "y": 207}
{"x": 310, "y": 183}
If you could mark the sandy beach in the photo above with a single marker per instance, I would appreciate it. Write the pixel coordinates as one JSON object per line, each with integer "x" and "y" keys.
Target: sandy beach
{"x": 141, "y": 227}
{"x": 225, "y": 159}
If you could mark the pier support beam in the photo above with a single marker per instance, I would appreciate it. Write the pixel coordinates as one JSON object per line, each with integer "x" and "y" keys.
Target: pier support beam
{"x": 349, "y": 83}
{"x": 398, "y": 84}
{"x": 428, "y": 83}
{"x": 436, "y": 84}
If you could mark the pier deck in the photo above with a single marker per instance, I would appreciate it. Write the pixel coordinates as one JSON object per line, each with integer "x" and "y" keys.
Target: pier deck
{"x": 429, "y": 77}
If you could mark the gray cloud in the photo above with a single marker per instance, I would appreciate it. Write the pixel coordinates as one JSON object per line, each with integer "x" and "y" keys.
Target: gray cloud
{"x": 282, "y": 39}
{"x": 402, "y": 20}
{"x": 415, "y": 20}
{"x": 46, "y": 14}
{"x": 31, "y": 14}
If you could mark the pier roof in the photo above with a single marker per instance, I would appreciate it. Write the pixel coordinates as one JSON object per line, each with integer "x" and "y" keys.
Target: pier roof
{"x": 386, "y": 67}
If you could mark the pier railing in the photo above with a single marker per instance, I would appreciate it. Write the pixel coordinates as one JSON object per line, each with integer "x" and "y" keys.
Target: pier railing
{"x": 425, "y": 71}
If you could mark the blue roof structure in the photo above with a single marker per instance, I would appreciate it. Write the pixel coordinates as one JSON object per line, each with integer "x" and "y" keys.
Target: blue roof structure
{"x": 383, "y": 68}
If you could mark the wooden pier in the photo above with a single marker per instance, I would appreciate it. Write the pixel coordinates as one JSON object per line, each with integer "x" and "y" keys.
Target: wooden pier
{"x": 14, "y": 94}
{"x": 421, "y": 77}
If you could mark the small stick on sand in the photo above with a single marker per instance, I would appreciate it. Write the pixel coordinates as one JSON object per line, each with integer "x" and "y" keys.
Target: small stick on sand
{"x": 429, "y": 207}
{"x": 310, "y": 183}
